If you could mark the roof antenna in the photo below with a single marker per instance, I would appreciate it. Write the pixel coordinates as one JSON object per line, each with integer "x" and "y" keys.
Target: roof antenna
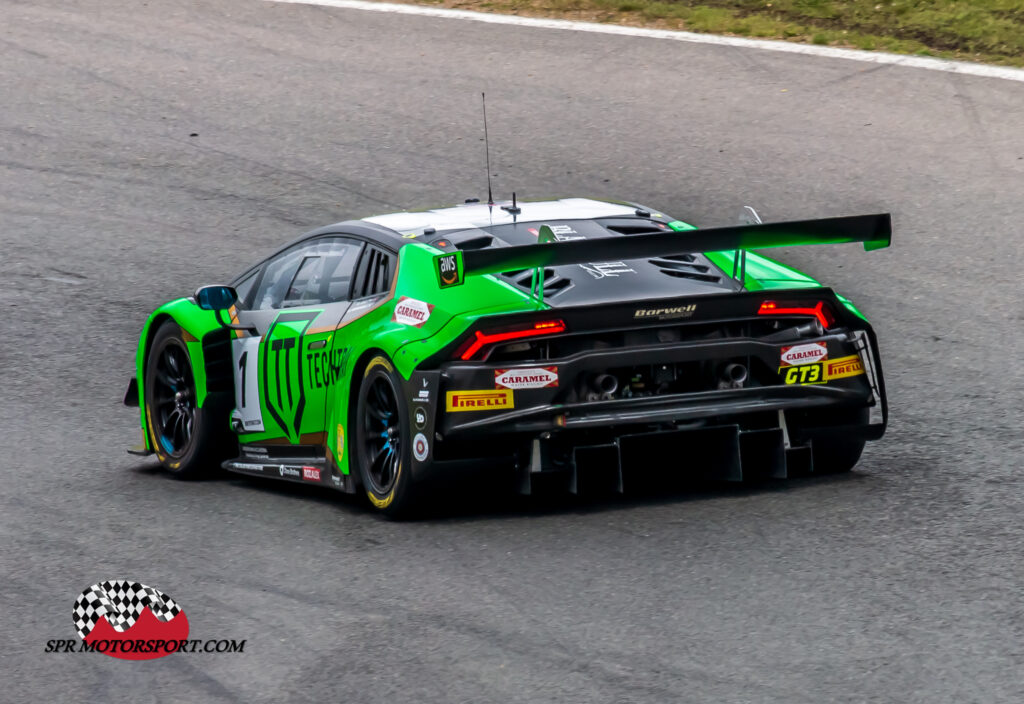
{"x": 513, "y": 209}
{"x": 487, "y": 150}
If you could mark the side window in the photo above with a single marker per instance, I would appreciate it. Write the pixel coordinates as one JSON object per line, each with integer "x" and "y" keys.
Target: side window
{"x": 313, "y": 273}
{"x": 375, "y": 271}
{"x": 244, "y": 288}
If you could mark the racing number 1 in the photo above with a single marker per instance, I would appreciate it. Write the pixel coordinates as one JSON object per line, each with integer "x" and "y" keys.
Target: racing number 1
{"x": 245, "y": 352}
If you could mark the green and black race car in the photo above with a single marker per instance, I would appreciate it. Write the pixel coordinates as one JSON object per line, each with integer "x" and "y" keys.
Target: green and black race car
{"x": 578, "y": 340}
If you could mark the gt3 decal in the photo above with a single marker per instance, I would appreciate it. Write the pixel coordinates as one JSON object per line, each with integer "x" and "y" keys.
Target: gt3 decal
{"x": 479, "y": 400}
{"x": 409, "y": 311}
{"x": 529, "y": 378}
{"x": 822, "y": 372}
{"x": 804, "y": 354}
{"x": 804, "y": 374}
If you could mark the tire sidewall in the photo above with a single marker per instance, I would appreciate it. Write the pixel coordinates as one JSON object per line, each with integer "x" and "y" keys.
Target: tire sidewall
{"x": 393, "y": 501}
{"x": 186, "y": 463}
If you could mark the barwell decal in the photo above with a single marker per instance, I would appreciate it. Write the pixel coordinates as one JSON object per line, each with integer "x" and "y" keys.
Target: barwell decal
{"x": 665, "y": 313}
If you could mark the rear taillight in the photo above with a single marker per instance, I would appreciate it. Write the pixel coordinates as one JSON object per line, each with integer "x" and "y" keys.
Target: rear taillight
{"x": 820, "y": 311}
{"x": 481, "y": 340}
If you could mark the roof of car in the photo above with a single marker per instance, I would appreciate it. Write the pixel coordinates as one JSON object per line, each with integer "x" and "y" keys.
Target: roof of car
{"x": 482, "y": 215}
{"x": 397, "y": 229}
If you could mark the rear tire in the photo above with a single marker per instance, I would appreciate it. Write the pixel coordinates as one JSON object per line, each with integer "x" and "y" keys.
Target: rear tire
{"x": 383, "y": 442}
{"x": 187, "y": 439}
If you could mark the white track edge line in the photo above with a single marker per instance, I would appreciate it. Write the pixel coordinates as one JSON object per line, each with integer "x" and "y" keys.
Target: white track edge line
{"x": 925, "y": 62}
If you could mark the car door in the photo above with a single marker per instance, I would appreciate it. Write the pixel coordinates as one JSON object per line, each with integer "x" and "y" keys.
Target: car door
{"x": 287, "y": 363}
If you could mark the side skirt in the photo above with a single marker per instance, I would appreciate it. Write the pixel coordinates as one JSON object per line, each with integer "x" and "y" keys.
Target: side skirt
{"x": 300, "y": 470}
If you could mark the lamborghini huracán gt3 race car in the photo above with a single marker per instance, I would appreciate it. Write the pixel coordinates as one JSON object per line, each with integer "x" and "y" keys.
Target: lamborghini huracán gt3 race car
{"x": 601, "y": 343}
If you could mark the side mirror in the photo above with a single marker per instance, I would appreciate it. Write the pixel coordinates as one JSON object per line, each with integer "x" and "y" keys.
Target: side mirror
{"x": 215, "y": 297}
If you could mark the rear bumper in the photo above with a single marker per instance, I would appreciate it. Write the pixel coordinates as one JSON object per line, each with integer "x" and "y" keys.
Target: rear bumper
{"x": 663, "y": 409}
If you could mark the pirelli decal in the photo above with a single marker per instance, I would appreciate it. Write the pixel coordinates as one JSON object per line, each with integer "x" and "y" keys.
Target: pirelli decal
{"x": 822, "y": 372}
{"x": 492, "y": 400}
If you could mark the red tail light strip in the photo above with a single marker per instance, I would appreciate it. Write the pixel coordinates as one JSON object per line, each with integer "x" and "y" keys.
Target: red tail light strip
{"x": 820, "y": 311}
{"x": 547, "y": 327}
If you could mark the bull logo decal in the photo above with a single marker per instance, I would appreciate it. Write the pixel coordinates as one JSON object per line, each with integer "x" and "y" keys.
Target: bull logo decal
{"x": 282, "y": 370}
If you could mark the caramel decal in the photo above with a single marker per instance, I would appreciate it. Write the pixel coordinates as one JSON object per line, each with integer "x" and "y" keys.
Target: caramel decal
{"x": 822, "y": 372}
{"x": 804, "y": 354}
{"x": 527, "y": 378}
{"x": 409, "y": 311}
{"x": 479, "y": 400}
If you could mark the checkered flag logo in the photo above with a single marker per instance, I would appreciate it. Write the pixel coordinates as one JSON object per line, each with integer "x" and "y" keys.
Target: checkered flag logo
{"x": 122, "y": 602}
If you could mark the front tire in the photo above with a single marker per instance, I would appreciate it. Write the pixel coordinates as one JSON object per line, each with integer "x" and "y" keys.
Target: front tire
{"x": 383, "y": 443}
{"x": 184, "y": 436}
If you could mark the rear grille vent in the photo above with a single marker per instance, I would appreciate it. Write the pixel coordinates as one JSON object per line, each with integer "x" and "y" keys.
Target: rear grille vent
{"x": 685, "y": 266}
{"x": 553, "y": 282}
{"x": 475, "y": 243}
{"x": 638, "y": 229}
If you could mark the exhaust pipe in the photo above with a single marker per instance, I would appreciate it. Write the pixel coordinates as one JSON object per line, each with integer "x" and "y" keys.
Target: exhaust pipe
{"x": 602, "y": 386}
{"x": 732, "y": 376}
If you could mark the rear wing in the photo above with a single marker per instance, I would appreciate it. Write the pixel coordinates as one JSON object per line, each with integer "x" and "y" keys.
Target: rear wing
{"x": 875, "y": 231}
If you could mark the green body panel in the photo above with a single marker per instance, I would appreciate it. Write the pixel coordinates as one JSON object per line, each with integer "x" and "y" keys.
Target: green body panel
{"x": 193, "y": 321}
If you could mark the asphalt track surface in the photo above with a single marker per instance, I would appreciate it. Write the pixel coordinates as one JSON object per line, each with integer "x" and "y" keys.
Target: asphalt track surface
{"x": 149, "y": 148}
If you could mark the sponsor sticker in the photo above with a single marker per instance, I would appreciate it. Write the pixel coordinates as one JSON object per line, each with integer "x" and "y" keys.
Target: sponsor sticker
{"x": 479, "y": 400}
{"x": 665, "y": 313}
{"x": 601, "y": 270}
{"x": 804, "y": 354}
{"x": 822, "y": 372}
{"x": 409, "y": 311}
{"x": 419, "y": 417}
{"x": 844, "y": 367}
{"x": 341, "y": 442}
{"x": 245, "y": 466}
{"x": 527, "y": 378}
{"x": 449, "y": 269}
{"x": 311, "y": 474}
{"x": 288, "y": 471}
{"x": 420, "y": 448}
